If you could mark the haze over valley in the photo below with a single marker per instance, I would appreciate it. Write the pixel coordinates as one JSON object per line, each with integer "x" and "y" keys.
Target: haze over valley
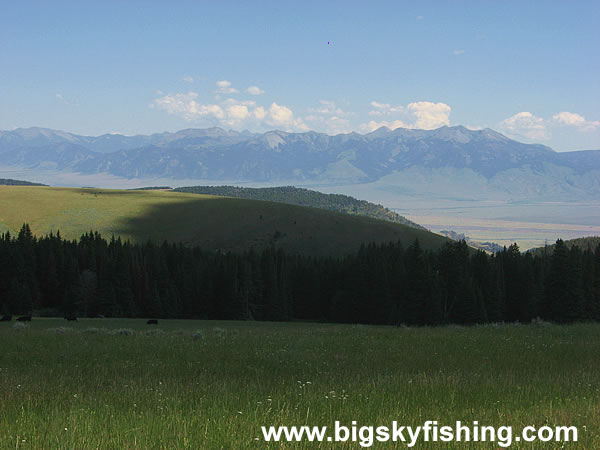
{"x": 477, "y": 182}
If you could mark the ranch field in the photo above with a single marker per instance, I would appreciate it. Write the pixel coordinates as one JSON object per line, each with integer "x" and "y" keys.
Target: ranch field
{"x": 119, "y": 383}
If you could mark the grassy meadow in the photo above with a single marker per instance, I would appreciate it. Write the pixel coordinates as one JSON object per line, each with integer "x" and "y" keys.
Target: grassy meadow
{"x": 119, "y": 383}
{"x": 208, "y": 221}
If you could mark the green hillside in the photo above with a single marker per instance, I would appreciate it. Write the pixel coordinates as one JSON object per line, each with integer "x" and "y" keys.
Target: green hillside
{"x": 305, "y": 197}
{"x": 208, "y": 221}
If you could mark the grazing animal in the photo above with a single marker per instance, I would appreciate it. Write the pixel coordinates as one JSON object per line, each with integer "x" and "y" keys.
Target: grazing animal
{"x": 24, "y": 319}
{"x": 152, "y": 322}
{"x": 6, "y": 318}
{"x": 70, "y": 318}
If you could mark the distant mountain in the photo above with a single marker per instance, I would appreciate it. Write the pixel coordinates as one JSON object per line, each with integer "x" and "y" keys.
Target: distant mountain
{"x": 10, "y": 182}
{"x": 304, "y": 197}
{"x": 454, "y": 161}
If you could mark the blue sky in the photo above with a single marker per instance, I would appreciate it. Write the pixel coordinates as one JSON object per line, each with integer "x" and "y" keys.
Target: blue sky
{"x": 528, "y": 69}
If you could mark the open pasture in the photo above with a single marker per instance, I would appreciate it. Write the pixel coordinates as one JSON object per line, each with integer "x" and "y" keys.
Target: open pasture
{"x": 227, "y": 224}
{"x": 119, "y": 383}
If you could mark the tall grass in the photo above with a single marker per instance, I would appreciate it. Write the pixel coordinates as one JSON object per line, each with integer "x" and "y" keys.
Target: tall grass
{"x": 212, "y": 385}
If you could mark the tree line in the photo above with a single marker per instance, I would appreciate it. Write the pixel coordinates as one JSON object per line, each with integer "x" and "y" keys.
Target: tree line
{"x": 11, "y": 182}
{"x": 379, "y": 284}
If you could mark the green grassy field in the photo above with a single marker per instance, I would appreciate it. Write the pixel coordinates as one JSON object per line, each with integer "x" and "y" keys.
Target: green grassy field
{"x": 209, "y": 385}
{"x": 211, "y": 222}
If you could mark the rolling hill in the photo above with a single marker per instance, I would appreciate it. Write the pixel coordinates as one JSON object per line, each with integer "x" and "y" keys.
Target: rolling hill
{"x": 305, "y": 197}
{"x": 211, "y": 222}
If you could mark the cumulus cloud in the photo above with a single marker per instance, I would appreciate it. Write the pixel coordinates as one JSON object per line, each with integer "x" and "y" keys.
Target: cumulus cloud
{"x": 328, "y": 117}
{"x": 526, "y": 125}
{"x": 457, "y": 52}
{"x": 229, "y": 112}
{"x": 224, "y": 87}
{"x": 328, "y": 107}
{"x": 424, "y": 115}
{"x": 254, "y": 90}
{"x": 259, "y": 113}
{"x": 183, "y": 104}
{"x": 188, "y": 78}
{"x": 384, "y": 109}
{"x": 282, "y": 116}
{"x": 575, "y": 120}
{"x": 238, "y": 112}
{"x": 430, "y": 115}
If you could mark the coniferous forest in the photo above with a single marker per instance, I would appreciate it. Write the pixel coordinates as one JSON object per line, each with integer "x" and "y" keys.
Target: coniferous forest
{"x": 379, "y": 284}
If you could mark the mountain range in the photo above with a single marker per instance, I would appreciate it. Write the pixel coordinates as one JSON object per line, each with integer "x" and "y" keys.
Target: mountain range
{"x": 453, "y": 159}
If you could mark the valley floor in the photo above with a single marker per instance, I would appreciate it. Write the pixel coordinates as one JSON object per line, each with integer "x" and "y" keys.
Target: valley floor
{"x": 497, "y": 218}
{"x": 528, "y": 222}
{"x": 119, "y": 383}
{"x": 505, "y": 232}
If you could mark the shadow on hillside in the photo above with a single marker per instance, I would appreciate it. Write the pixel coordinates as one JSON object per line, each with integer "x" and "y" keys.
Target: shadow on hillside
{"x": 230, "y": 224}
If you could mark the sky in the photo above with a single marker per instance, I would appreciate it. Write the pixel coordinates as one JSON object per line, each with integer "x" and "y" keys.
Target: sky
{"x": 528, "y": 69}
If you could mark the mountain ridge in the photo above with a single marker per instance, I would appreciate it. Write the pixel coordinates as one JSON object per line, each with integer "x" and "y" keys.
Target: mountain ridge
{"x": 503, "y": 164}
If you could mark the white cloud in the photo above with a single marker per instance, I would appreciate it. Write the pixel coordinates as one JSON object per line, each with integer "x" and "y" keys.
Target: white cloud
{"x": 575, "y": 120}
{"x": 424, "y": 115}
{"x": 283, "y": 117}
{"x": 229, "y": 112}
{"x": 208, "y": 110}
{"x": 233, "y": 101}
{"x": 328, "y": 117}
{"x": 224, "y": 87}
{"x": 384, "y": 109}
{"x": 329, "y": 124}
{"x": 420, "y": 17}
{"x": 255, "y": 90}
{"x": 328, "y": 108}
{"x": 259, "y": 113}
{"x": 280, "y": 114}
{"x": 526, "y": 125}
{"x": 188, "y": 78}
{"x": 238, "y": 112}
{"x": 372, "y": 125}
{"x": 377, "y": 105}
{"x": 183, "y": 104}
{"x": 430, "y": 115}
{"x": 457, "y": 52}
